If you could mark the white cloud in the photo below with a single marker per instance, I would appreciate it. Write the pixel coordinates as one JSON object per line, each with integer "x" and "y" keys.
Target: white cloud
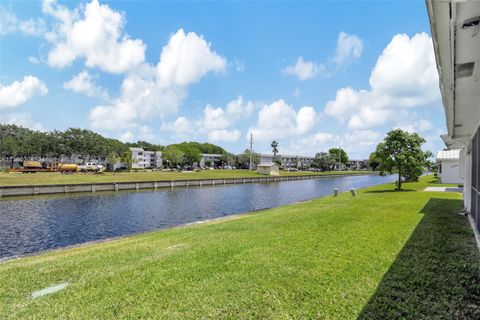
{"x": 144, "y": 133}
{"x": 404, "y": 76}
{"x": 218, "y": 118}
{"x": 224, "y": 135}
{"x": 186, "y": 59}
{"x": 18, "y": 93}
{"x": 150, "y": 91}
{"x": 279, "y": 120}
{"x": 306, "y": 118}
{"x": 217, "y": 124}
{"x": 406, "y": 73}
{"x": 93, "y": 32}
{"x": 216, "y": 121}
{"x": 361, "y": 138}
{"x": 304, "y": 70}
{"x": 214, "y": 118}
{"x": 10, "y": 23}
{"x": 181, "y": 125}
{"x": 346, "y": 102}
{"x": 22, "y": 119}
{"x": 370, "y": 117}
{"x": 84, "y": 83}
{"x": 309, "y": 144}
{"x": 422, "y": 125}
{"x": 349, "y": 47}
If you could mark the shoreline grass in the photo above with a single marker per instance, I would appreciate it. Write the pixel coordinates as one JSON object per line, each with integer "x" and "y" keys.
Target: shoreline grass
{"x": 24, "y": 179}
{"x": 381, "y": 255}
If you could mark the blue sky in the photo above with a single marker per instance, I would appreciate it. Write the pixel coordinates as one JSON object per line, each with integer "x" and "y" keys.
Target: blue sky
{"x": 311, "y": 75}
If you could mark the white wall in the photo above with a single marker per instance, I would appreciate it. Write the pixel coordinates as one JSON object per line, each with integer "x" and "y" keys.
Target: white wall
{"x": 450, "y": 171}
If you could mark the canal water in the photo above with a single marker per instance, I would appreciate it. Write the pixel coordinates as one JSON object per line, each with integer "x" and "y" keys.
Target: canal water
{"x": 34, "y": 224}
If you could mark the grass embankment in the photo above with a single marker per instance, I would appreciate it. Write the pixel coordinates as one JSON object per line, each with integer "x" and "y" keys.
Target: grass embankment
{"x": 381, "y": 255}
{"x": 17, "y": 179}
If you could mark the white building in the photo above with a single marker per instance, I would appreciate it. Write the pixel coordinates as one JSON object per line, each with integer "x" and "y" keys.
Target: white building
{"x": 288, "y": 161}
{"x": 210, "y": 159}
{"x": 456, "y": 40}
{"x": 142, "y": 159}
{"x": 449, "y": 166}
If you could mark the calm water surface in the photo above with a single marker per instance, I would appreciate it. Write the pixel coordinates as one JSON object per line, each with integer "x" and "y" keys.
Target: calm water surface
{"x": 35, "y": 224}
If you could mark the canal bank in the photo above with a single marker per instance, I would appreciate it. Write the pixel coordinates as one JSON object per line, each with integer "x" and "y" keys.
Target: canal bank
{"x": 41, "y": 189}
{"x": 332, "y": 258}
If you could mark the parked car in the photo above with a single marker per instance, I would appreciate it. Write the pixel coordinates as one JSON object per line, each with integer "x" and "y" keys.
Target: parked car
{"x": 91, "y": 167}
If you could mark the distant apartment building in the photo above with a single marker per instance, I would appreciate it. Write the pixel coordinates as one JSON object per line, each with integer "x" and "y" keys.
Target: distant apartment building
{"x": 144, "y": 159}
{"x": 288, "y": 161}
{"x": 296, "y": 161}
{"x": 356, "y": 165}
{"x": 210, "y": 159}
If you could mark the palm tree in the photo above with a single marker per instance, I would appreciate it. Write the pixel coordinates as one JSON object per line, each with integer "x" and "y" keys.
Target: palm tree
{"x": 274, "y": 146}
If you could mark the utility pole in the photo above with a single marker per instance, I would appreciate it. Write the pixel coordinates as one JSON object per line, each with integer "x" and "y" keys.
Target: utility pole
{"x": 251, "y": 151}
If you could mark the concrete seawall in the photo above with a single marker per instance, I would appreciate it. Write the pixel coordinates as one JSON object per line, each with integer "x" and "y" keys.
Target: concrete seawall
{"x": 29, "y": 190}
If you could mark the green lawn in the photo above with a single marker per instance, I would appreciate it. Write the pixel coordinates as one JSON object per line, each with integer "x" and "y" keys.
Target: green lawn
{"x": 381, "y": 255}
{"x": 14, "y": 179}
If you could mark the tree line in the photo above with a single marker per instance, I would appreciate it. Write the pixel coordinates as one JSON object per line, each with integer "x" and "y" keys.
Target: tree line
{"x": 19, "y": 142}
{"x": 22, "y": 143}
{"x": 325, "y": 161}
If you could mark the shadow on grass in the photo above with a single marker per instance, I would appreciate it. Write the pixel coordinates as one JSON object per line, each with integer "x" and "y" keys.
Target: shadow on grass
{"x": 437, "y": 273}
{"x": 389, "y": 190}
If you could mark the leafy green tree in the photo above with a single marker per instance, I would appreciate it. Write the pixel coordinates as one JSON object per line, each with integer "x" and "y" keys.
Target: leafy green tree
{"x": 209, "y": 148}
{"x": 373, "y": 161}
{"x": 323, "y": 161}
{"x": 173, "y": 155}
{"x": 401, "y": 152}
{"x": 202, "y": 147}
{"x": 338, "y": 155}
{"x": 146, "y": 146}
{"x": 191, "y": 155}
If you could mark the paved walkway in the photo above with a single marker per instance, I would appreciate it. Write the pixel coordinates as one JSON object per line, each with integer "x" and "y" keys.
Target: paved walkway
{"x": 444, "y": 189}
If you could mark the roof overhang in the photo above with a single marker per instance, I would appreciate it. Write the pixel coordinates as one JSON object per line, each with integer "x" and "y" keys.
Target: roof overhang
{"x": 455, "y": 27}
{"x": 450, "y": 143}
